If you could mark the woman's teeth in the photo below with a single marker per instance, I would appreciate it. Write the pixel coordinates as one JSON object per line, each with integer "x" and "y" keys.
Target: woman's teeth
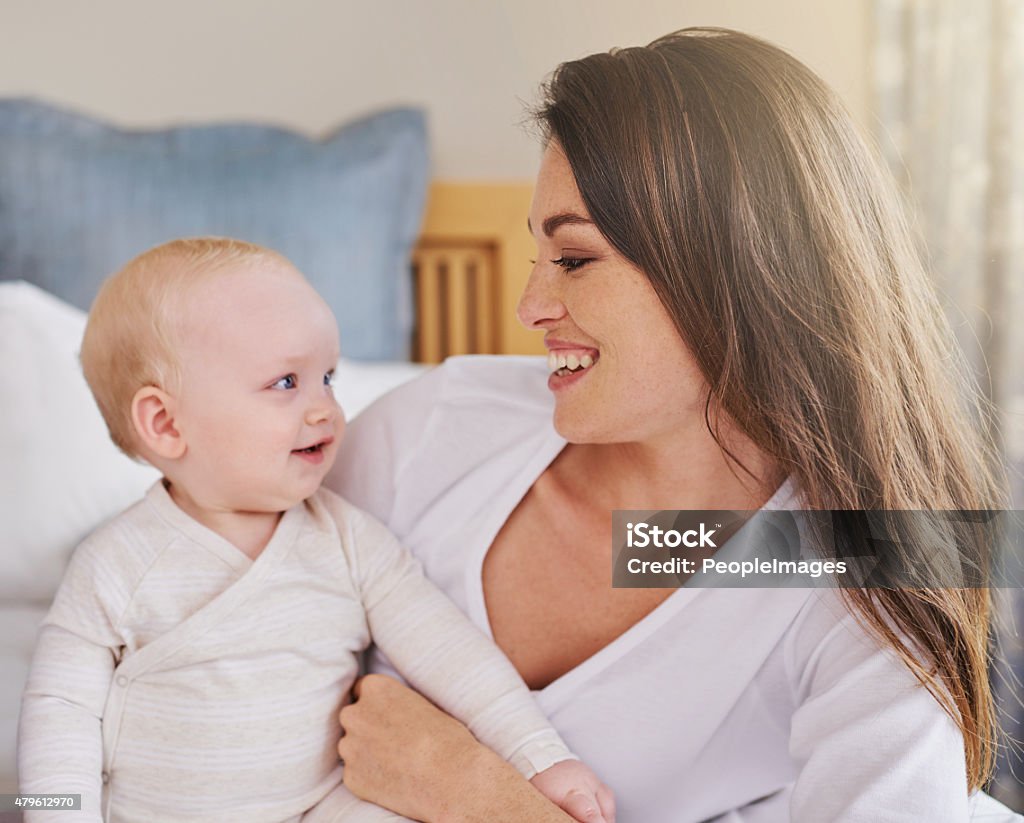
{"x": 567, "y": 363}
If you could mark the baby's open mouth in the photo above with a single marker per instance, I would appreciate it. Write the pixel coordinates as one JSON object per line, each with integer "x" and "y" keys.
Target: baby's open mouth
{"x": 316, "y": 447}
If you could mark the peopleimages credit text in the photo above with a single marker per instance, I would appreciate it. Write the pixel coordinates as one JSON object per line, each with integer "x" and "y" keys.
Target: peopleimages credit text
{"x": 802, "y": 548}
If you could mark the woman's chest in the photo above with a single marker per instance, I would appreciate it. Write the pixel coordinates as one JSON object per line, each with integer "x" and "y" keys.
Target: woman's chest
{"x": 547, "y": 586}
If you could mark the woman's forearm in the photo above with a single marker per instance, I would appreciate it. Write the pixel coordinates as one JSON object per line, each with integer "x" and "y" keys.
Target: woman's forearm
{"x": 489, "y": 790}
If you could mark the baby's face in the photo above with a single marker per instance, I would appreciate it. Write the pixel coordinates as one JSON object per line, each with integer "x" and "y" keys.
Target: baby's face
{"x": 255, "y": 407}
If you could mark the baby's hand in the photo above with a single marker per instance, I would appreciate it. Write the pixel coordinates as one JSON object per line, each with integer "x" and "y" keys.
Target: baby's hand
{"x": 576, "y": 790}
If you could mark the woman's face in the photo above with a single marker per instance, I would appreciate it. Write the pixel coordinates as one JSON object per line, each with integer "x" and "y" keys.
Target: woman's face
{"x": 619, "y": 370}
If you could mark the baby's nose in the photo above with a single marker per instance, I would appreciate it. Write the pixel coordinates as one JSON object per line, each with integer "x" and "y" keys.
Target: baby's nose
{"x": 322, "y": 412}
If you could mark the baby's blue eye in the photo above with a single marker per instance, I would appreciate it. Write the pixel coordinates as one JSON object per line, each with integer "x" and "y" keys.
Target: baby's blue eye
{"x": 329, "y": 378}
{"x": 286, "y": 382}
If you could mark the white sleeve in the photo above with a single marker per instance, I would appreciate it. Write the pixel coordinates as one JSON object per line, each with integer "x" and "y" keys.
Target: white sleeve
{"x": 60, "y": 744}
{"x": 439, "y": 651}
{"x": 378, "y": 444}
{"x": 855, "y": 697}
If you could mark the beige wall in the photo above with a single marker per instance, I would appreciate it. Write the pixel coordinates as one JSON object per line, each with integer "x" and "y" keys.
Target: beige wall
{"x": 312, "y": 63}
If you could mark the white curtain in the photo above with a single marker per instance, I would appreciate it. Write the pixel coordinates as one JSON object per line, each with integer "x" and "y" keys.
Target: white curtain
{"x": 949, "y": 93}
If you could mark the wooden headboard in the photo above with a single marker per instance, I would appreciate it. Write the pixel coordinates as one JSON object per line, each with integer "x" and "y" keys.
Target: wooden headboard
{"x": 470, "y": 265}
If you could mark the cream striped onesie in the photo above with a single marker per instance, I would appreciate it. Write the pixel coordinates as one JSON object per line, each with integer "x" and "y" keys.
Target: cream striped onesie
{"x": 177, "y": 680}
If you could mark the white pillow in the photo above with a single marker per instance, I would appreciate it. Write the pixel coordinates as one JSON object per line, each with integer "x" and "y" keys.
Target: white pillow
{"x": 61, "y": 475}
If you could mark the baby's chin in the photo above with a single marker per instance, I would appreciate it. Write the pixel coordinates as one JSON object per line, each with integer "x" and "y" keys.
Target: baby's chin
{"x": 279, "y": 501}
{"x": 292, "y": 500}
{"x": 307, "y": 490}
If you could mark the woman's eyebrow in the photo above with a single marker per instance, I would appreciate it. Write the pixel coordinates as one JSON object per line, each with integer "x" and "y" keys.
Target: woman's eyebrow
{"x": 553, "y": 222}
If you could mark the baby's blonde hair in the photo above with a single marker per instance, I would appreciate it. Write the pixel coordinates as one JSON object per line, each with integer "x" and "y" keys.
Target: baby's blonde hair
{"x": 131, "y": 336}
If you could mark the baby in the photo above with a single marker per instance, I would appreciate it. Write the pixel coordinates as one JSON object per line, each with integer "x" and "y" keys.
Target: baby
{"x": 200, "y": 645}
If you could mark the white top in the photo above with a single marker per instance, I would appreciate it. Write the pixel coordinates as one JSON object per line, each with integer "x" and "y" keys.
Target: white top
{"x": 718, "y": 698}
{"x": 177, "y": 680}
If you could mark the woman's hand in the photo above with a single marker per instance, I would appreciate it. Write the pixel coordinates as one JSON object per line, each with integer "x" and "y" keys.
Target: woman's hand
{"x": 402, "y": 752}
{"x": 394, "y": 740}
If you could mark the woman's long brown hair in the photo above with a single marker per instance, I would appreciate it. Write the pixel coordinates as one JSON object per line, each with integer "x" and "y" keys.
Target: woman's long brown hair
{"x": 733, "y": 177}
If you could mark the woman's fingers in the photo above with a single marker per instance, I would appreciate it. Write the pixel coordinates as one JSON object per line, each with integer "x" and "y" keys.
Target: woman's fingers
{"x": 352, "y": 714}
{"x": 393, "y": 739}
{"x": 358, "y": 685}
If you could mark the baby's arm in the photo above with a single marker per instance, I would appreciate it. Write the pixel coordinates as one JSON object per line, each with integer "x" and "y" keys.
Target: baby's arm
{"x": 60, "y": 745}
{"x": 445, "y": 657}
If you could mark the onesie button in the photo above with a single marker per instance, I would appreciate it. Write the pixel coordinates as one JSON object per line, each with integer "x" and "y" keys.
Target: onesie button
{"x": 105, "y": 777}
{"x": 121, "y": 681}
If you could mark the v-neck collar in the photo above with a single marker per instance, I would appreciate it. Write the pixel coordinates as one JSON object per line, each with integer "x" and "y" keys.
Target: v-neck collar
{"x": 561, "y": 688}
{"x": 160, "y": 498}
{"x": 249, "y": 583}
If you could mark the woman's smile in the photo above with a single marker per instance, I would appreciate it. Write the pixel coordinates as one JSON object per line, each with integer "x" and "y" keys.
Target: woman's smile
{"x": 568, "y": 362}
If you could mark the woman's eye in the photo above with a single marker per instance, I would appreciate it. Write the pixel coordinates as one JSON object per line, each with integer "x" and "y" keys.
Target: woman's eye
{"x": 287, "y": 382}
{"x": 571, "y": 263}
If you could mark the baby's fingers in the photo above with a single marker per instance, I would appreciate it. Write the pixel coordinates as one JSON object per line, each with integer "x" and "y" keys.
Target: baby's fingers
{"x": 584, "y": 807}
{"x": 606, "y": 802}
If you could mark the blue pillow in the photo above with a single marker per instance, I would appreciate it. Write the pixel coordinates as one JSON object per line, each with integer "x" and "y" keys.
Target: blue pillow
{"x": 79, "y": 198}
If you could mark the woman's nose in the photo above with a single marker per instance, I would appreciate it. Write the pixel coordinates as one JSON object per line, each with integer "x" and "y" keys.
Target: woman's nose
{"x": 540, "y": 304}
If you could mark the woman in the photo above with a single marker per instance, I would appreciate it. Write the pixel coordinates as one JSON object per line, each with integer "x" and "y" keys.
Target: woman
{"x": 738, "y": 320}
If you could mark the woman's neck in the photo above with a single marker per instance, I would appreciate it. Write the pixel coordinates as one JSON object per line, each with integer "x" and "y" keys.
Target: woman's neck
{"x": 683, "y": 473}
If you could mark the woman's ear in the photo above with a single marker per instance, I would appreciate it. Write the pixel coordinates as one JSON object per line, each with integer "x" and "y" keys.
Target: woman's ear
{"x": 153, "y": 416}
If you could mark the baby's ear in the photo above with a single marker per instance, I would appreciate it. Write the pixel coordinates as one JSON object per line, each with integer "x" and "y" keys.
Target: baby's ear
{"x": 153, "y": 416}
